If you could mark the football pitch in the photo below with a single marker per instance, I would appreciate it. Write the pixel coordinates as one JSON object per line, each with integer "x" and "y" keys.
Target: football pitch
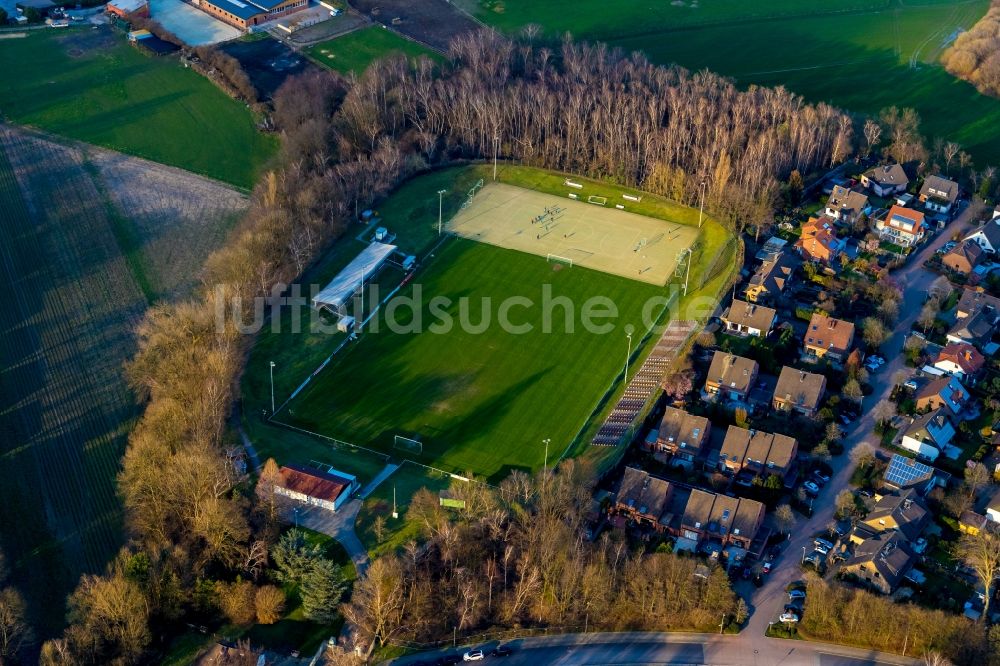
{"x": 479, "y": 398}
{"x": 593, "y": 235}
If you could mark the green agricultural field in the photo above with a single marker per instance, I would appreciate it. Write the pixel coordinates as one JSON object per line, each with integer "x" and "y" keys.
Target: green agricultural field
{"x": 89, "y": 84}
{"x": 861, "y": 55}
{"x": 356, "y": 50}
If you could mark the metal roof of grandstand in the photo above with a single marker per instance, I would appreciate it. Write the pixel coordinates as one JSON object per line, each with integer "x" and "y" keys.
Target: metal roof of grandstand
{"x": 348, "y": 281}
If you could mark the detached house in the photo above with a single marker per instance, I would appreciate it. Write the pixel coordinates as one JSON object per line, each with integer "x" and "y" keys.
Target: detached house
{"x": 731, "y": 376}
{"x": 719, "y": 519}
{"x": 828, "y": 337}
{"x": 987, "y": 236}
{"x": 903, "y": 511}
{"x": 683, "y": 436}
{"x": 903, "y": 226}
{"x": 643, "y": 498}
{"x": 749, "y": 319}
{"x": 942, "y": 393}
{"x": 881, "y": 561}
{"x": 771, "y": 278}
{"x": 938, "y": 195}
{"x": 846, "y": 205}
{"x": 961, "y": 360}
{"x": 975, "y": 330}
{"x": 885, "y": 180}
{"x": 819, "y": 241}
{"x": 798, "y": 391}
{"x": 928, "y": 435}
{"x": 756, "y": 453}
{"x": 974, "y": 300}
{"x": 963, "y": 258}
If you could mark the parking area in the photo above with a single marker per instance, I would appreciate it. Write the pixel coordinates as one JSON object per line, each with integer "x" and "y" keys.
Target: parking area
{"x": 192, "y": 25}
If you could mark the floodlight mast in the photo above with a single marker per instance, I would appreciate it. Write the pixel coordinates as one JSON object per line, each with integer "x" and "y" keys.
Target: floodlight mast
{"x": 701, "y": 207}
{"x": 441, "y": 194}
{"x": 272, "y": 389}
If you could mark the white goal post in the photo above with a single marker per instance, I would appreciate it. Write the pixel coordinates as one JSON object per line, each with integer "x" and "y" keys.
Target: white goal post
{"x": 408, "y": 444}
{"x": 559, "y": 259}
{"x": 596, "y": 200}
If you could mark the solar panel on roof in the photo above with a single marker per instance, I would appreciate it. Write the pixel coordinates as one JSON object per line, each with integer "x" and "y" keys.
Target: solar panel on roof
{"x": 903, "y": 471}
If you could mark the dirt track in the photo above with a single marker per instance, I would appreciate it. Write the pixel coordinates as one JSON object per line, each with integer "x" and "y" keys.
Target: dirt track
{"x": 432, "y": 22}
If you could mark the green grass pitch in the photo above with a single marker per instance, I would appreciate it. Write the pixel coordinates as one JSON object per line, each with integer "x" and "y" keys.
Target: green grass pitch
{"x": 399, "y": 383}
{"x": 356, "y": 50}
{"x": 480, "y": 401}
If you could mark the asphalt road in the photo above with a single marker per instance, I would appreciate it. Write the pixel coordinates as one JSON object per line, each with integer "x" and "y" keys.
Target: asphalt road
{"x": 677, "y": 649}
{"x": 768, "y": 601}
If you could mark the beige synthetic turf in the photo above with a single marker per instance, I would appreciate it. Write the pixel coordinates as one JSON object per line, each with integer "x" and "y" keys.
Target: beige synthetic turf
{"x": 602, "y": 238}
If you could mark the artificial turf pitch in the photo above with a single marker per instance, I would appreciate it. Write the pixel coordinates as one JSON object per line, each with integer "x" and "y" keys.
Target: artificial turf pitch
{"x": 480, "y": 398}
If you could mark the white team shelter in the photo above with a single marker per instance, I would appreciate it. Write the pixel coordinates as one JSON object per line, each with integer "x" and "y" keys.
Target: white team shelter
{"x": 349, "y": 281}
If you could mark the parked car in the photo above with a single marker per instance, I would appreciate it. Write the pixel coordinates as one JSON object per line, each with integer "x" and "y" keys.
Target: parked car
{"x": 766, "y": 567}
{"x": 449, "y": 659}
{"x": 911, "y": 384}
{"x": 920, "y": 545}
{"x": 501, "y": 651}
{"x": 796, "y": 594}
{"x": 820, "y": 476}
{"x": 473, "y": 655}
{"x": 789, "y": 617}
{"x": 811, "y": 488}
{"x": 822, "y": 550}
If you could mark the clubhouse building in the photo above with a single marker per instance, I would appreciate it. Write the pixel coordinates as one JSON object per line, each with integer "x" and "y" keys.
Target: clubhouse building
{"x": 245, "y": 14}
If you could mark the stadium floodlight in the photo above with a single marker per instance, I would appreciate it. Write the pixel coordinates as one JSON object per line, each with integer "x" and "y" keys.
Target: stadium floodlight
{"x": 628, "y": 355}
{"x": 545, "y": 461}
{"x": 701, "y": 207}
{"x": 272, "y": 388}
{"x": 496, "y": 154}
{"x": 441, "y": 193}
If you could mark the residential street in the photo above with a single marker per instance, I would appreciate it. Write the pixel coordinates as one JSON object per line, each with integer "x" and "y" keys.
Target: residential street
{"x": 652, "y": 648}
{"x": 768, "y": 601}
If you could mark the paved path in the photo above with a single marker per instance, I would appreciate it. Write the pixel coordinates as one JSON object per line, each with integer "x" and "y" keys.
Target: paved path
{"x": 374, "y": 483}
{"x": 248, "y": 447}
{"x": 676, "y": 648}
{"x": 768, "y": 601}
{"x": 339, "y": 525}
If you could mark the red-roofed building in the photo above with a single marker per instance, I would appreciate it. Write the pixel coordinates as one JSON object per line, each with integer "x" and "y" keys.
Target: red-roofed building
{"x": 903, "y": 226}
{"x": 819, "y": 241}
{"x": 328, "y": 490}
{"x": 960, "y": 359}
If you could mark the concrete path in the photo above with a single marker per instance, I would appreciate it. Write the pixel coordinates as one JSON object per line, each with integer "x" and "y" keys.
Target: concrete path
{"x": 768, "y": 601}
{"x": 374, "y": 483}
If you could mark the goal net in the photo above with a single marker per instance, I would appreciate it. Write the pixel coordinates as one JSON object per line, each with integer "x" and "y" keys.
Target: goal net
{"x": 555, "y": 258}
{"x": 594, "y": 199}
{"x": 408, "y": 444}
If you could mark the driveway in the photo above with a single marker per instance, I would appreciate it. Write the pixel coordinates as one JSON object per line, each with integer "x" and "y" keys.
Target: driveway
{"x": 768, "y": 601}
{"x": 339, "y": 525}
{"x": 675, "y": 648}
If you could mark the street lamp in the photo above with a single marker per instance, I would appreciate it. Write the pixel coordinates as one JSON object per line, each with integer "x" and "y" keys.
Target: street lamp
{"x": 295, "y": 511}
{"x": 803, "y": 560}
{"x": 545, "y": 461}
{"x": 687, "y": 274}
{"x": 272, "y": 388}
{"x": 441, "y": 193}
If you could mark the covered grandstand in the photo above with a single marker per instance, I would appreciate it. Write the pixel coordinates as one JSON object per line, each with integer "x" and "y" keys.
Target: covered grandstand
{"x": 349, "y": 281}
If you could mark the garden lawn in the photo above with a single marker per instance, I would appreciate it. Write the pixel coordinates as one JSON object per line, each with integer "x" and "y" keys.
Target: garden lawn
{"x": 89, "y": 84}
{"x": 353, "y": 52}
{"x": 481, "y": 401}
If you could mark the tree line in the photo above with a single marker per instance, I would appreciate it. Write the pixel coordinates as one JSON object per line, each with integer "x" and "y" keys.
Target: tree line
{"x": 975, "y": 54}
{"x": 196, "y": 530}
{"x": 517, "y": 555}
